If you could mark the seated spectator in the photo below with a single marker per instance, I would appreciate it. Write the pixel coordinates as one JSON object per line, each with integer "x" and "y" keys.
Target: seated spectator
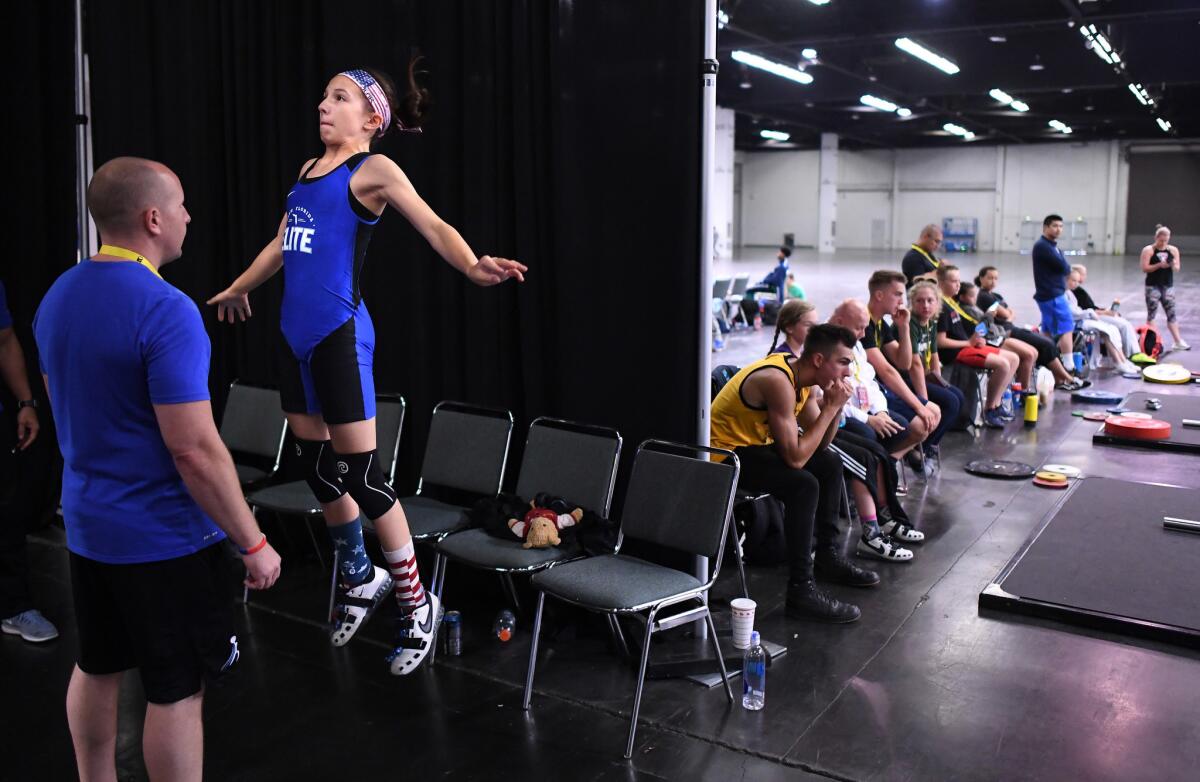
{"x": 925, "y": 374}
{"x": 920, "y": 262}
{"x": 990, "y": 301}
{"x": 888, "y": 342}
{"x": 959, "y": 340}
{"x": 796, "y": 317}
{"x": 769, "y": 416}
{"x": 1129, "y": 336}
{"x": 1110, "y": 335}
{"x": 775, "y": 281}
{"x": 794, "y": 291}
{"x": 863, "y": 462}
{"x": 867, "y": 413}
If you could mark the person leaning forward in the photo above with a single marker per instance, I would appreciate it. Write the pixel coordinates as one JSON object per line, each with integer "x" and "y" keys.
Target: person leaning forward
{"x": 770, "y": 416}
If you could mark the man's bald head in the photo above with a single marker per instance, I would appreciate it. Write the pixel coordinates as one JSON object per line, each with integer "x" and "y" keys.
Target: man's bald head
{"x": 931, "y": 237}
{"x": 851, "y": 314}
{"x": 124, "y": 188}
{"x": 849, "y": 311}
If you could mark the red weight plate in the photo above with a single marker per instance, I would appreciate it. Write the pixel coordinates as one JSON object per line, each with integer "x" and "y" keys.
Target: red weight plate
{"x": 1050, "y": 484}
{"x": 1137, "y": 428}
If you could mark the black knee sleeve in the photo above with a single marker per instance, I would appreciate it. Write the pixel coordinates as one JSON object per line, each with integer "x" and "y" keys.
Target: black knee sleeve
{"x": 363, "y": 480}
{"x": 320, "y": 469}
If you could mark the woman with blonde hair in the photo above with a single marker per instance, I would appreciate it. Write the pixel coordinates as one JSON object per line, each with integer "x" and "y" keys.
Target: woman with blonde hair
{"x": 796, "y": 317}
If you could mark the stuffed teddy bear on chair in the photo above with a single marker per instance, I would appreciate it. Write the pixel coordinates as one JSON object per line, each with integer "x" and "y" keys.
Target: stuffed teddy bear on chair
{"x": 540, "y": 526}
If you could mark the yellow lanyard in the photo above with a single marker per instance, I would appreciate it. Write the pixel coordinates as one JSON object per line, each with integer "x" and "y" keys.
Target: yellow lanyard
{"x": 954, "y": 305}
{"x": 936, "y": 263}
{"x": 129, "y": 255}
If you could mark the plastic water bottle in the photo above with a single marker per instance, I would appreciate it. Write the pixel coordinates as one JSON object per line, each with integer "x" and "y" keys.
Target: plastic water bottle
{"x": 1006, "y": 402}
{"x": 754, "y": 675}
{"x": 505, "y": 625}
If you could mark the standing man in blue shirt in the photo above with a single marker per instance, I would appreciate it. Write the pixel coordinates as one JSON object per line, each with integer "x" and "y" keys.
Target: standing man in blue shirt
{"x": 1050, "y": 271}
{"x": 17, "y": 614}
{"x": 149, "y": 491}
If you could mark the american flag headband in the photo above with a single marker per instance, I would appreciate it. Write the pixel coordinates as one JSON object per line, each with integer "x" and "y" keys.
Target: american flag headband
{"x": 377, "y": 99}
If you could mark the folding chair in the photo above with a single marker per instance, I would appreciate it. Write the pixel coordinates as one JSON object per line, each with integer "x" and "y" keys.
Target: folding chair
{"x": 253, "y": 427}
{"x": 296, "y": 499}
{"x": 575, "y": 461}
{"x": 737, "y": 293}
{"x": 466, "y": 453}
{"x": 677, "y": 500}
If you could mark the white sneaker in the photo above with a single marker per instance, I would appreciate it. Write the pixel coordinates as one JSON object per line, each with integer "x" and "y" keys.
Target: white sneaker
{"x": 354, "y": 607}
{"x": 1181, "y": 345}
{"x": 902, "y": 532}
{"x": 414, "y": 636}
{"x": 883, "y": 547}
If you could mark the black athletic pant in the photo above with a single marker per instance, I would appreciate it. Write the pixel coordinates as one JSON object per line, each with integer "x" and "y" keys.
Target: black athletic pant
{"x": 810, "y": 498}
{"x": 891, "y": 480}
{"x": 14, "y": 566}
{"x": 1047, "y": 349}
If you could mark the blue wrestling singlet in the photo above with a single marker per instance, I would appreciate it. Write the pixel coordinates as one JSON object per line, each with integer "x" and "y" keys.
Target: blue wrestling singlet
{"x": 328, "y": 369}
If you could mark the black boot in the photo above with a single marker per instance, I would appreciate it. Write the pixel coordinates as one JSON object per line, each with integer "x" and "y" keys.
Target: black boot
{"x": 805, "y": 600}
{"x": 829, "y": 565}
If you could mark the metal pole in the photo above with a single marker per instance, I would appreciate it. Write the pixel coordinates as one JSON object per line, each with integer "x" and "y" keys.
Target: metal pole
{"x": 708, "y": 132}
{"x": 86, "y": 230}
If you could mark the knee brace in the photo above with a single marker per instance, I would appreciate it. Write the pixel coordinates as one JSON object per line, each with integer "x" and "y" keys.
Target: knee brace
{"x": 363, "y": 480}
{"x": 320, "y": 469}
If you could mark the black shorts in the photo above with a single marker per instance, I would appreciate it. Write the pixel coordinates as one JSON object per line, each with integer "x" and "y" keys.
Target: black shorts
{"x": 336, "y": 379}
{"x": 172, "y": 620}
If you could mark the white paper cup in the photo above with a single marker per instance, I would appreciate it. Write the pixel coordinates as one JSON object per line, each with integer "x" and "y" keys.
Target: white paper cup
{"x": 741, "y": 611}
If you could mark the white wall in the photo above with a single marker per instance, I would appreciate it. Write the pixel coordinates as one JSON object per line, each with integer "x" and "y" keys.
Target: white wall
{"x": 720, "y": 200}
{"x": 779, "y": 195}
{"x": 908, "y": 188}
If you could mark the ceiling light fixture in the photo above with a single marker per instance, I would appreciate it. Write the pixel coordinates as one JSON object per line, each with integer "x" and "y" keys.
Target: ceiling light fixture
{"x": 779, "y": 69}
{"x": 1141, "y": 94}
{"x": 903, "y": 112}
{"x": 1061, "y": 127}
{"x": 1003, "y": 97}
{"x": 958, "y": 130}
{"x": 775, "y": 135}
{"x": 1162, "y": 123}
{"x": 921, "y": 53}
{"x": 884, "y": 105}
{"x": 722, "y": 19}
{"x": 1099, "y": 44}
{"x": 997, "y": 39}
{"x": 808, "y": 54}
{"x": 819, "y": 2}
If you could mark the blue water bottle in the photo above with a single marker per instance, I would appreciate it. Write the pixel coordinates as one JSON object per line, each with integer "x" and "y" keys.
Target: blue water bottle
{"x": 754, "y": 675}
{"x": 1006, "y": 402}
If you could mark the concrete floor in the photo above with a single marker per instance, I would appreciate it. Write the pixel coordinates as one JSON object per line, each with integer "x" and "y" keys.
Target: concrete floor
{"x": 922, "y": 688}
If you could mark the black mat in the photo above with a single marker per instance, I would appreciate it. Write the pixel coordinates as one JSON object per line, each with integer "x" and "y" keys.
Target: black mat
{"x": 1176, "y": 406}
{"x": 1103, "y": 560}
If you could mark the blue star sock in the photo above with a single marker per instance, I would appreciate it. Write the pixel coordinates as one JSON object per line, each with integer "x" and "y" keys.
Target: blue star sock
{"x": 354, "y": 566}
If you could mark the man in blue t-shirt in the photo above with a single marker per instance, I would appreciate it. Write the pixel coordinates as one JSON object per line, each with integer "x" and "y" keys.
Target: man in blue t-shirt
{"x": 17, "y": 614}
{"x": 149, "y": 491}
{"x": 1050, "y": 270}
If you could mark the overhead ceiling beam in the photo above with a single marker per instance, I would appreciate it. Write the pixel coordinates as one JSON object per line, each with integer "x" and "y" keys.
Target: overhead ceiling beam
{"x": 1032, "y": 25}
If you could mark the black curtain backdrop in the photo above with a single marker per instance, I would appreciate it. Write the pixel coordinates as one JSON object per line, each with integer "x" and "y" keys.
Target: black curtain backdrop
{"x": 565, "y": 134}
{"x": 39, "y": 223}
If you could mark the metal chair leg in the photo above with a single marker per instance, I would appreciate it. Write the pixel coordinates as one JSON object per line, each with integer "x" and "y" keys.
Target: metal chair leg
{"x": 439, "y": 574}
{"x": 712, "y": 635}
{"x": 737, "y": 556}
{"x": 618, "y": 635}
{"x": 333, "y": 579}
{"x": 511, "y": 588}
{"x": 533, "y": 647}
{"x": 637, "y": 697}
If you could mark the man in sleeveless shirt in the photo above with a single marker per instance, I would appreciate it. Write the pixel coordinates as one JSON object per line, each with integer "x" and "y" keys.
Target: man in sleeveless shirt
{"x": 769, "y": 416}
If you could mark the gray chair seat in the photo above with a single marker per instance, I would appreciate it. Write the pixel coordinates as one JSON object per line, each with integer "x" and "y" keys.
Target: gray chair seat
{"x": 428, "y": 518}
{"x": 247, "y": 474}
{"x": 294, "y": 497}
{"x": 478, "y": 548}
{"x": 614, "y": 582}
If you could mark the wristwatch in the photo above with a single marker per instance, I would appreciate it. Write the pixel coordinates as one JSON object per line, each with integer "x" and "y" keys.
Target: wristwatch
{"x": 21, "y": 405}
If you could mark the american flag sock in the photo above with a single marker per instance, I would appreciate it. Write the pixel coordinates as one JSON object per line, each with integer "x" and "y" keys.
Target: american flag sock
{"x": 410, "y": 595}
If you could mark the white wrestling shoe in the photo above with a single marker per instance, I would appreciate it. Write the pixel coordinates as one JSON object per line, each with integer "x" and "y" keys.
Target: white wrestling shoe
{"x": 353, "y": 607}
{"x": 883, "y": 547}
{"x": 902, "y": 532}
{"x": 414, "y": 636}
